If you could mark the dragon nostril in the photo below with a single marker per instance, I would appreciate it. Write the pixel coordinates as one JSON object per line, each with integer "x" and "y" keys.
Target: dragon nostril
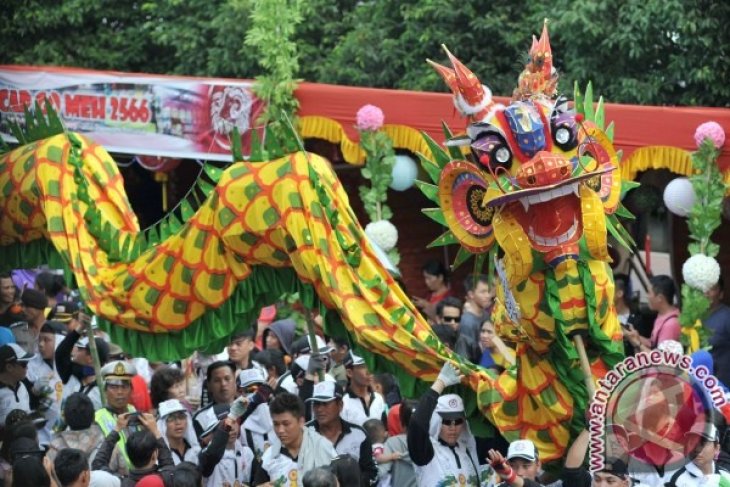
{"x": 531, "y": 180}
{"x": 563, "y": 170}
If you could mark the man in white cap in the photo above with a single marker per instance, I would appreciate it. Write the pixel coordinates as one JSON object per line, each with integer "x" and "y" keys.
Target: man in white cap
{"x": 224, "y": 460}
{"x": 117, "y": 378}
{"x": 47, "y": 385}
{"x": 173, "y": 425}
{"x": 702, "y": 446}
{"x": 13, "y": 370}
{"x": 521, "y": 467}
{"x": 256, "y": 427}
{"x": 360, "y": 401}
{"x": 347, "y": 438}
{"x": 296, "y": 381}
{"x": 75, "y": 365}
{"x": 439, "y": 441}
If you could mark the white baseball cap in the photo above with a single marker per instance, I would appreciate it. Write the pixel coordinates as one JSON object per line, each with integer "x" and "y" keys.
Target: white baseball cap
{"x": 170, "y": 406}
{"x": 522, "y": 449}
{"x": 321, "y": 345}
{"x": 450, "y": 406}
{"x": 250, "y": 377}
{"x": 326, "y": 391}
{"x": 352, "y": 360}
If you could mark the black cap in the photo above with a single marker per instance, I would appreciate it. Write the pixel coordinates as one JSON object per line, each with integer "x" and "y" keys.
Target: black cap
{"x": 352, "y": 360}
{"x": 615, "y": 466}
{"x": 102, "y": 348}
{"x": 12, "y": 352}
{"x": 65, "y": 311}
{"x": 34, "y": 299}
{"x": 54, "y": 327}
{"x": 300, "y": 346}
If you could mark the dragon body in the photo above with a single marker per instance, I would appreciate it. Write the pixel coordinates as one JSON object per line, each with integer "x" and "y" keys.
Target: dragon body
{"x": 282, "y": 222}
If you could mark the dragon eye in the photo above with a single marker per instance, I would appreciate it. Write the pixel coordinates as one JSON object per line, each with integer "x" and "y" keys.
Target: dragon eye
{"x": 492, "y": 151}
{"x": 565, "y": 131}
{"x": 502, "y": 155}
{"x": 562, "y": 135}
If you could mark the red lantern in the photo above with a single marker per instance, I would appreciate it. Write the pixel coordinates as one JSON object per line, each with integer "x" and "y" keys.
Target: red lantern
{"x": 161, "y": 166}
{"x": 158, "y": 164}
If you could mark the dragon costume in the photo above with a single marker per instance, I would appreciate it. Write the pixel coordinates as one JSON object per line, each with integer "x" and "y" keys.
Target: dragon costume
{"x": 542, "y": 191}
{"x": 534, "y": 195}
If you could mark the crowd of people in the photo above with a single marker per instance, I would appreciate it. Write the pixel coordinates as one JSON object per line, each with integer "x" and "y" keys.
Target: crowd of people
{"x": 277, "y": 409}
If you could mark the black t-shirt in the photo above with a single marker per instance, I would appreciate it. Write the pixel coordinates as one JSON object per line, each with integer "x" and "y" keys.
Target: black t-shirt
{"x": 9, "y": 317}
{"x": 576, "y": 477}
{"x": 526, "y": 483}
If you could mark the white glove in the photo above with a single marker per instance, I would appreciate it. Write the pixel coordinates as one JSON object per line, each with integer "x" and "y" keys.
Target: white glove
{"x": 238, "y": 407}
{"x": 449, "y": 375}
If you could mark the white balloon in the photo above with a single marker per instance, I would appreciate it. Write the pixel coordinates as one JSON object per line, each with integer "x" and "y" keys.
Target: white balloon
{"x": 405, "y": 172}
{"x": 679, "y": 196}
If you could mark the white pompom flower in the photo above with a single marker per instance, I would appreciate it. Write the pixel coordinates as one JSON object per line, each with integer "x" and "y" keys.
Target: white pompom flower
{"x": 383, "y": 233}
{"x": 701, "y": 272}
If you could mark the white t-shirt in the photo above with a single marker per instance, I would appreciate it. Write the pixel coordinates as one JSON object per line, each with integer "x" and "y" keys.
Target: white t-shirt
{"x": 233, "y": 470}
{"x": 90, "y": 390}
{"x": 40, "y": 371}
{"x": 692, "y": 476}
{"x": 354, "y": 409}
{"x": 13, "y": 399}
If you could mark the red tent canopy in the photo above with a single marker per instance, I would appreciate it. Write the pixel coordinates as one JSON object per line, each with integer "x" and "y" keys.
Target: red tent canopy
{"x": 635, "y": 126}
{"x": 119, "y": 107}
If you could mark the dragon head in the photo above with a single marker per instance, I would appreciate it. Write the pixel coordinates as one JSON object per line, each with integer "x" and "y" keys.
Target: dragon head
{"x": 539, "y": 174}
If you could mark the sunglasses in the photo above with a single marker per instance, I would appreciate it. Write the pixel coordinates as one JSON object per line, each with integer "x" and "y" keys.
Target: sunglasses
{"x": 453, "y": 422}
{"x": 452, "y": 318}
{"x": 179, "y": 416}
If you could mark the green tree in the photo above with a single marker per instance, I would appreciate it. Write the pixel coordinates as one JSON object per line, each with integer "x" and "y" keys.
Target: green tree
{"x": 204, "y": 37}
{"x": 635, "y": 51}
{"x": 92, "y": 34}
{"x": 661, "y": 52}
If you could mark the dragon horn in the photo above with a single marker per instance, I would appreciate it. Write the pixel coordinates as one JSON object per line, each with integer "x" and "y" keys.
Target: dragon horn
{"x": 543, "y": 47}
{"x": 448, "y": 75}
{"x": 475, "y": 99}
{"x": 470, "y": 87}
{"x": 533, "y": 48}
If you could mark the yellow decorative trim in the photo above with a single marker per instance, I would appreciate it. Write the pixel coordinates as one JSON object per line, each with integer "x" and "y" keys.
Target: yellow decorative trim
{"x": 677, "y": 160}
{"x": 657, "y": 157}
{"x": 403, "y": 137}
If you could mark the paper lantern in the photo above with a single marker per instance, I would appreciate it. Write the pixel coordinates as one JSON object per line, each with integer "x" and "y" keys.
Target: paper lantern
{"x": 158, "y": 164}
{"x": 679, "y": 196}
{"x": 405, "y": 171}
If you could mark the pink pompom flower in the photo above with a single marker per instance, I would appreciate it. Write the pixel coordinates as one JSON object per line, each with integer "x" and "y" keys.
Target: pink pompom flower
{"x": 711, "y": 130}
{"x": 369, "y": 117}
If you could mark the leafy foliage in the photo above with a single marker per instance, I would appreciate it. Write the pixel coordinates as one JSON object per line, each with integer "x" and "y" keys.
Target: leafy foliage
{"x": 272, "y": 28}
{"x": 649, "y": 51}
{"x": 378, "y": 170}
{"x": 704, "y": 218}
